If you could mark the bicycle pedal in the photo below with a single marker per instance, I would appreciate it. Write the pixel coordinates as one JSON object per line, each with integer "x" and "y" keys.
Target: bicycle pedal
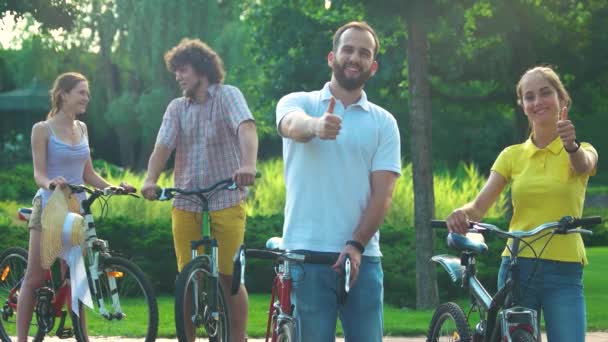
{"x": 65, "y": 333}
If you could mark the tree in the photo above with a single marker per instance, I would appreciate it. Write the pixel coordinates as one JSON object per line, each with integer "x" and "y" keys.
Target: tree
{"x": 51, "y": 14}
{"x": 421, "y": 147}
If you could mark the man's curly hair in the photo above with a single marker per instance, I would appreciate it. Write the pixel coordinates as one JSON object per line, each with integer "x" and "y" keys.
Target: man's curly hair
{"x": 200, "y": 56}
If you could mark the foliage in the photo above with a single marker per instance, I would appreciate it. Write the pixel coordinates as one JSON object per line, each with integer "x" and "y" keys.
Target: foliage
{"x": 451, "y": 191}
{"x": 18, "y": 183}
{"x": 51, "y": 14}
{"x": 478, "y": 50}
{"x": 15, "y": 149}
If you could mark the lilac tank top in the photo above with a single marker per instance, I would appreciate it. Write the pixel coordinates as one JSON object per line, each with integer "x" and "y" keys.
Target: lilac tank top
{"x": 66, "y": 160}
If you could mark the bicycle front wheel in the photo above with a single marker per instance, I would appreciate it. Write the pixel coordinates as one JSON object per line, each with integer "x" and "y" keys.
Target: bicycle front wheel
{"x": 125, "y": 305}
{"x": 287, "y": 332}
{"x": 448, "y": 324}
{"x": 195, "y": 318}
{"x": 13, "y": 263}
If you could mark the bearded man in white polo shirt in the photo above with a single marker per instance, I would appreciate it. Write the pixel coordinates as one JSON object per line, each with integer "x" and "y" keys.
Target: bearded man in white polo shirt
{"x": 342, "y": 159}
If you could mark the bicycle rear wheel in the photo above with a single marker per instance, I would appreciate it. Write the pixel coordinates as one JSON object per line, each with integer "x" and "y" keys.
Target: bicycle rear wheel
{"x": 125, "y": 305}
{"x": 521, "y": 335}
{"x": 448, "y": 324}
{"x": 200, "y": 322}
{"x": 13, "y": 263}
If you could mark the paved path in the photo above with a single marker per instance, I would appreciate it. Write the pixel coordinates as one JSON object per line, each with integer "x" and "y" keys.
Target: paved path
{"x": 591, "y": 337}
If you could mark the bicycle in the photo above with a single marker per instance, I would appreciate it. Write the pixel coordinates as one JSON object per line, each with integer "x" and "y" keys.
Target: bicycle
{"x": 500, "y": 316}
{"x": 118, "y": 288}
{"x": 198, "y": 282}
{"x": 280, "y": 312}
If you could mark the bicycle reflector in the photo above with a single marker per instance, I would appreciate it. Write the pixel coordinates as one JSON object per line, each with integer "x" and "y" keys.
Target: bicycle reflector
{"x": 115, "y": 274}
{"x": 5, "y": 273}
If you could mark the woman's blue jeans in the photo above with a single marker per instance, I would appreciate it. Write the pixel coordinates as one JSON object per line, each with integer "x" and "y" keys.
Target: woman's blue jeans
{"x": 556, "y": 289}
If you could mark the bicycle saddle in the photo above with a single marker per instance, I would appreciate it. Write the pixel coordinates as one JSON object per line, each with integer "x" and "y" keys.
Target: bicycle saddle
{"x": 473, "y": 242}
{"x": 274, "y": 243}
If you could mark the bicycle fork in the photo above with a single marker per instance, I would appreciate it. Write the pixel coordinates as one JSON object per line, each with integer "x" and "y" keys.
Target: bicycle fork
{"x": 95, "y": 248}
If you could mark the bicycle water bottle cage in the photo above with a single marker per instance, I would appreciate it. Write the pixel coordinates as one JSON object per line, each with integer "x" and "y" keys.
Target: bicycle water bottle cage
{"x": 274, "y": 243}
{"x": 452, "y": 265}
{"x": 473, "y": 242}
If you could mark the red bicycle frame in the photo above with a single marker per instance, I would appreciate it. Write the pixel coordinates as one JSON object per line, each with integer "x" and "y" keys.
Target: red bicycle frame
{"x": 281, "y": 289}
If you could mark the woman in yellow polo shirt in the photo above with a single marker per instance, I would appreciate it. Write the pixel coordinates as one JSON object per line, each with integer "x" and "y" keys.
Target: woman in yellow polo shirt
{"x": 548, "y": 175}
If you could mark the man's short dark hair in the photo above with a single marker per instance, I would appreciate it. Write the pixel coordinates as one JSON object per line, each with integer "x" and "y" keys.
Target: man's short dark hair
{"x": 359, "y": 25}
{"x": 200, "y": 56}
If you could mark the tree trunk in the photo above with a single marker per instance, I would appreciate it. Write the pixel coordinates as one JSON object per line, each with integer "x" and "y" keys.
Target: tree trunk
{"x": 110, "y": 76}
{"x": 420, "y": 128}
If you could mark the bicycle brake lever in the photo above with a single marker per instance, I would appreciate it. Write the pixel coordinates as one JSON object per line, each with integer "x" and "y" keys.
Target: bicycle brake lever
{"x": 347, "y": 273}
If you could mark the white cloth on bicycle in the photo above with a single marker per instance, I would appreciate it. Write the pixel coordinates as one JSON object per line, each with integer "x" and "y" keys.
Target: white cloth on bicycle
{"x": 328, "y": 181}
{"x": 72, "y": 254}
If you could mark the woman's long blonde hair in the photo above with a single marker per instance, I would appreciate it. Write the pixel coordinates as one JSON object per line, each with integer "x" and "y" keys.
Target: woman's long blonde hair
{"x": 63, "y": 84}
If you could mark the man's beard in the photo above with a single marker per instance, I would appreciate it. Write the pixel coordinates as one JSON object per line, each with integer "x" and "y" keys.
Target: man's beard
{"x": 191, "y": 92}
{"x": 346, "y": 82}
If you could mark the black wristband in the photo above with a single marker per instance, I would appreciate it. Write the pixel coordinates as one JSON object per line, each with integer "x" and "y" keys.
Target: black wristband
{"x": 578, "y": 146}
{"x": 357, "y": 245}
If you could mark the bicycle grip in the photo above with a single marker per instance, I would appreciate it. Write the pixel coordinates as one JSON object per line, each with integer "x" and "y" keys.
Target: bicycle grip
{"x": 321, "y": 259}
{"x": 439, "y": 224}
{"x": 588, "y": 221}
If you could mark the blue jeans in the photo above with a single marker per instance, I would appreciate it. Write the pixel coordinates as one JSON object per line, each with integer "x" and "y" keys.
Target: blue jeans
{"x": 316, "y": 304}
{"x": 557, "y": 289}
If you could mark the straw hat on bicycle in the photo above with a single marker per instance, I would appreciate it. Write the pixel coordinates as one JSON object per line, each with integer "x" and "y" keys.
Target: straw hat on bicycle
{"x": 60, "y": 218}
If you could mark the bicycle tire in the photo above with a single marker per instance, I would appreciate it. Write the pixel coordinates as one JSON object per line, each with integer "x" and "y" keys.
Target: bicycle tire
{"x": 522, "y": 335}
{"x": 440, "y": 324}
{"x": 15, "y": 258}
{"x": 133, "y": 289}
{"x": 206, "y": 327}
{"x": 287, "y": 332}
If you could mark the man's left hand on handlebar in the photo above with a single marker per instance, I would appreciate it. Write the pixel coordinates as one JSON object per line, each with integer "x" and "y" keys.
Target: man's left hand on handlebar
{"x": 244, "y": 176}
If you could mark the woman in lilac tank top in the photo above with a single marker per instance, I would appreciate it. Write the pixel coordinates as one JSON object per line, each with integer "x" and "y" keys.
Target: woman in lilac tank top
{"x": 61, "y": 156}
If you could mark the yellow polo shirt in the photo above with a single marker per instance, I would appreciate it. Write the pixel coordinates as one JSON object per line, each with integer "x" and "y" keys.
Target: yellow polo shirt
{"x": 544, "y": 188}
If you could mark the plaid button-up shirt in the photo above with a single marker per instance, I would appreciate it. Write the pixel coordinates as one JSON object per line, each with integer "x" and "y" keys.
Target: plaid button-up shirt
{"x": 206, "y": 143}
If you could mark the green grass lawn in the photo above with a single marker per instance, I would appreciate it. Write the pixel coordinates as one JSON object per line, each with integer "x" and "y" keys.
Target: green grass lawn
{"x": 399, "y": 322}
{"x": 596, "y": 276}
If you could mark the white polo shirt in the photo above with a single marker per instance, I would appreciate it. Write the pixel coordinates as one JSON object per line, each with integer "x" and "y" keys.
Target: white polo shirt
{"x": 329, "y": 181}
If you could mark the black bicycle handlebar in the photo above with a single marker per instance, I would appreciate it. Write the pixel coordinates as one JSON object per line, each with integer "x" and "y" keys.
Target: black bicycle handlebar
{"x": 165, "y": 194}
{"x": 111, "y": 190}
{"x": 307, "y": 257}
{"x": 439, "y": 224}
{"x": 566, "y": 225}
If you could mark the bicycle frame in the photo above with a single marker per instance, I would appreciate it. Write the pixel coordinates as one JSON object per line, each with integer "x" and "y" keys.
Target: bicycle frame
{"x": 280, "y": 309}
{"x": 57, "y": 298}
{"x": 95, "y": 248}
{"x": 463, "y": 270}
{"x": 206, "y": 241}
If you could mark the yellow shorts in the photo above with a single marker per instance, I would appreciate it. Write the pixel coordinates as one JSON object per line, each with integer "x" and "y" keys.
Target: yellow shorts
{"x": 227, "y": 227}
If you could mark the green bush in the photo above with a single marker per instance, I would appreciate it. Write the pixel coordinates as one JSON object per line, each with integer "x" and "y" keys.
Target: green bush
{"x": 18, "y": 183}
{"x": 141, "y": 230}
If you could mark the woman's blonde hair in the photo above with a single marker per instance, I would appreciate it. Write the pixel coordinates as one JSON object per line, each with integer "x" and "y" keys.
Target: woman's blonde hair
{"x": 64, "y": 83}
{"x": 551, "y": 76}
